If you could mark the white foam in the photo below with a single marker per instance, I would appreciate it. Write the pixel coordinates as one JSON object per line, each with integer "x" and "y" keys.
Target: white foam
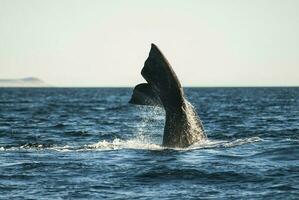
{"x": 224, "y": 143}
{"x": 125, "y": 144}
{"x": 65, "y": 148}
{"x": 140, "y": 143}
{"x": 147, "y": 145}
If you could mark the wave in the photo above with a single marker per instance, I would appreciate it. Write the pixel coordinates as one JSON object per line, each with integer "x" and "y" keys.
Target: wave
{"x": 138, "y": 143}
{"x": 204, "y": 175}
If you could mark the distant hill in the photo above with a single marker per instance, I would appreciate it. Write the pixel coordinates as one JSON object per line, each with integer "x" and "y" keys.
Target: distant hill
{"x": 24, "y": 82}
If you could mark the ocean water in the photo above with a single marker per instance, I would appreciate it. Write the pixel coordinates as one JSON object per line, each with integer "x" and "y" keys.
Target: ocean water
{"x": 89, "y": 143}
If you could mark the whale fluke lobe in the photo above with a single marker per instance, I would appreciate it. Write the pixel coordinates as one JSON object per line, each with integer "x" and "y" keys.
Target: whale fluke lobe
{"x": 143, "y": 94}
{"x": 183, "y": 126}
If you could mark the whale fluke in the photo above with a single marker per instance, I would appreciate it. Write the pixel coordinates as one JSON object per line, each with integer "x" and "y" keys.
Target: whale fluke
{"x": 183, "y": 126}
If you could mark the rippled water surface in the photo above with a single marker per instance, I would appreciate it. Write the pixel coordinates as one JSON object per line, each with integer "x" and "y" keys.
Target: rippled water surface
{"x": 89, "y": 143}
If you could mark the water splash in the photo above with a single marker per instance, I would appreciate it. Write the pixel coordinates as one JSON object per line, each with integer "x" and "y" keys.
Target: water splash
{"x": 152, "y": 122}
{"x": 196, "y": 127}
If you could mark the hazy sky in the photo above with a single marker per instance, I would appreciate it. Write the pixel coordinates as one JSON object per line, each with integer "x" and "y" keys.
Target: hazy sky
{"x": 105, "y": 43}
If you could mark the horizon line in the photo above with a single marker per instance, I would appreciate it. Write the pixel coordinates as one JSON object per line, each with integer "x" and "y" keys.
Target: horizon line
{"x": 188, "y": 86}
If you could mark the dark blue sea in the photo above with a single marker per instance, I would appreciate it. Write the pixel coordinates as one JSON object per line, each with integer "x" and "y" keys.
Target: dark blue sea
{"x": 89, "y": 143}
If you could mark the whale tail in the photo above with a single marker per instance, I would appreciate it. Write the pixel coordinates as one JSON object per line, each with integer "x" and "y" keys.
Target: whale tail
{"x": 162, "y": 88}
{"x": 182, "y": 127}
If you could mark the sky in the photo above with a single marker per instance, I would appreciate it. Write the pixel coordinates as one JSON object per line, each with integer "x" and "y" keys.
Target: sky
{"x": 96, "y": 43}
